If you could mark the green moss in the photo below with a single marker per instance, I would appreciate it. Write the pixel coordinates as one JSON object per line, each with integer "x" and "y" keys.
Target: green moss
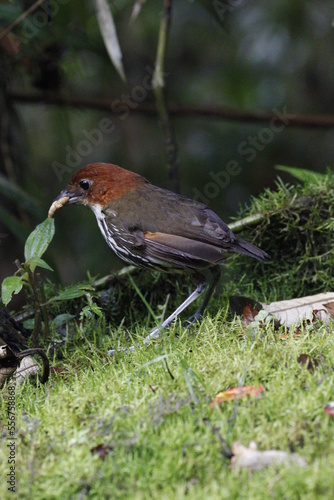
{"x": 123, "y": 427}
{"x": 155, "y": 440}
{"x": 297, "y": 231}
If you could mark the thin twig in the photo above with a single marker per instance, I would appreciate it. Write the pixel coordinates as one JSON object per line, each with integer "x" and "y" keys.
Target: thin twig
{"x": 179, "y": 110}
{"x": 226, "y": 450}
{"x": 46, "y": 365}
{"x": 4, "y": 143}
{"x": 250, "y": 220}
{"x": 158, "y": 83}
{"x": 168, "y": 369}
{"x": 20, "y": 18}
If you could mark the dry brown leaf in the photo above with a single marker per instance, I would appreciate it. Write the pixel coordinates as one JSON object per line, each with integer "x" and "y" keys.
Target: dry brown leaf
{"x": 249, "y": 315}
{"x": 308, "y": 361}
{"x": 101, "y": 450}
{"x": 237, "y": 392}
{"x": 329, "y": 410}
{"x": 330, "y": 308}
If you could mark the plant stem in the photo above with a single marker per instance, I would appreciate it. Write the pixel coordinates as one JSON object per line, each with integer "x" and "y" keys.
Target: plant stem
{"x": 37, "y": 310}
{"x": 43, "y": 308}
{"x": 158, "y": 83}
{"x": 251, "y": 220}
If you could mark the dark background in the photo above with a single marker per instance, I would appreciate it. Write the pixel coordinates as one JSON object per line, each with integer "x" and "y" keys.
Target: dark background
{"x": 250, "y": 56}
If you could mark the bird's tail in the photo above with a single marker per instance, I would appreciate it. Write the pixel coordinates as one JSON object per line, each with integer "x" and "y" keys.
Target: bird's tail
{"x": 242, "y": 246}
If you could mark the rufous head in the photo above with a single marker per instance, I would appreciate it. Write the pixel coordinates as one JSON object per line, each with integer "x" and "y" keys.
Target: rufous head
{"x": 100, "y": 184}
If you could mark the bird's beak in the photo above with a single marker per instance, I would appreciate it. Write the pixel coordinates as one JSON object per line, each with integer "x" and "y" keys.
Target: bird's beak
{"x": 66, "y": 197}
{"x": 72, "y": 194}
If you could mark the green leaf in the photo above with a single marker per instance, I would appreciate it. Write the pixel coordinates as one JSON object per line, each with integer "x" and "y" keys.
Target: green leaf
{"x": 37, "y": 262}
{"x": 29, "y": 324}
{"x": 97, "y": 310}
{"x": 72, "y": 292}
{"x": 39, "y": 240}
{"x": 89, "y": 311}
{"x": 61, "y": 319}
{"x": 108, "y": 31}
{"x": 10, "y": 285}
{"x": 302, "y": 174}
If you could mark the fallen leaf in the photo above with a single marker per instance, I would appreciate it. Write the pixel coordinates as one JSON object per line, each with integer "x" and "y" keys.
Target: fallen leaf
{"x": 297, "y": 334}
{"x": 101, "y": 450}
{"x": 58, "y": 369}
{"x": 329, "y": 410}
{"x": 249, "y": 315}
{"x": 311, "y": 363}
{"x": 253, "y": 459}
{"x": 330, "y": 308}
{"x": 291, "y": 312}
{"x": 316, "y": 316}
{"x": 254, "y": 317}
{"x": 28, "y": 367}
{"x": 237, "y": 304}
{"x": 237, "y": 392}
{"x": 21, "y": 365}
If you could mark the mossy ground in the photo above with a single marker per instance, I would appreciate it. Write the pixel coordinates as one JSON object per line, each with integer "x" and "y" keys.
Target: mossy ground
{"x": 297, "y": 231}
{"x": 123, "y": 427}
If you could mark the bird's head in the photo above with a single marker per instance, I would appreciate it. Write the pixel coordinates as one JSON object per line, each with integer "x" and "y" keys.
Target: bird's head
{"x": 98, "y": 184}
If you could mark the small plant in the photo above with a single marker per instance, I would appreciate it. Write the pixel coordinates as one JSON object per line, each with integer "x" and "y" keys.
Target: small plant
{"x": 35, "y": 246}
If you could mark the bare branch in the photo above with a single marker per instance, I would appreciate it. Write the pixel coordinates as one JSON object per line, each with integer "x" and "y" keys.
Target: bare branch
{"x": 179, "y": 110}
{"x": 21, "y": 18}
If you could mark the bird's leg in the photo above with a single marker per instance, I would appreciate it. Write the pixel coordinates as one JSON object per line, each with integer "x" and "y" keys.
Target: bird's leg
{"x": 214, "y": 279}
{"x": 158, "y": 330}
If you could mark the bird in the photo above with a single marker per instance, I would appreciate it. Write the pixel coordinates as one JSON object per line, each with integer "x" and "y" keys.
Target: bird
{"x": 154, "y": 228}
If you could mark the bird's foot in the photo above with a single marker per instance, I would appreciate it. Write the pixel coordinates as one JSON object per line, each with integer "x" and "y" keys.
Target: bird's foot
{"x": 111, "y": 352}
{"x": 195, "y": 318}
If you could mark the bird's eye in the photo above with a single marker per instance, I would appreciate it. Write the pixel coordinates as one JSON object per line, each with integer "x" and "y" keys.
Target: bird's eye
{"x": 84, "y": 184}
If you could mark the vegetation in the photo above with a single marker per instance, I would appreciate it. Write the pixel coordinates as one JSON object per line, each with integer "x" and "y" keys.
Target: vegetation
{"x": 203, "y": 98}
{"x": 229, "y": 58}
{"x": 297, "y": 232}
{"x": 121, "y": 427}
{"x": 140, "y": 425}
